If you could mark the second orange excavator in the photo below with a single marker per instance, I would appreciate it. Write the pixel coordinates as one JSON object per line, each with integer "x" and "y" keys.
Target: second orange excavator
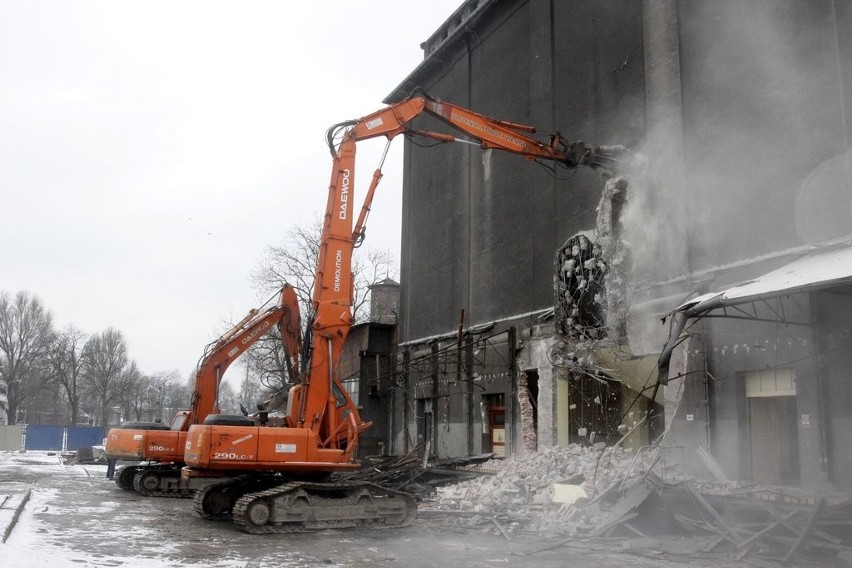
{"x": 277, "y": 478}
{"x": 160, "y": 448}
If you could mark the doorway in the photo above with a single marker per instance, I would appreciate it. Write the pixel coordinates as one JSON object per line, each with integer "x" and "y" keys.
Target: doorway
{"x": 496, "y": 404}
{"x": 773, "y": 426}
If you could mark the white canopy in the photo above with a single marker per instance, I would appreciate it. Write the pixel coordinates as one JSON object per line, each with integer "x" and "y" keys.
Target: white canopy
{"x": 822, "y": 269}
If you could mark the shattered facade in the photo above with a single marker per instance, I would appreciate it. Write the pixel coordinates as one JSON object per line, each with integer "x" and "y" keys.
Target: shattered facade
{"x": 738, "y": 114}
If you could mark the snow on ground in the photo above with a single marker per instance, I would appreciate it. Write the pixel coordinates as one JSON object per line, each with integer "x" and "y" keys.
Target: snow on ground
{"x": 50, "y": 520}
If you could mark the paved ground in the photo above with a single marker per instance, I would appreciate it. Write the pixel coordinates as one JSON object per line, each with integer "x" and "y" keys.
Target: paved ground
{"x": 60, "y": 516}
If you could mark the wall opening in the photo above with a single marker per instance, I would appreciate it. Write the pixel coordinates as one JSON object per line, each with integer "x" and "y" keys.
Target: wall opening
{"x": 594, "y": 409}
{"x": 773, "y": 426}
{"x": 496, "y": 436}
{"x": 426, "y": 425}
{"x": 528, "y": 402}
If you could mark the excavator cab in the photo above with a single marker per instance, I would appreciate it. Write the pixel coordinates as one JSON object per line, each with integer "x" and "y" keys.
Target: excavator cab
{"x": 179, "y": 420}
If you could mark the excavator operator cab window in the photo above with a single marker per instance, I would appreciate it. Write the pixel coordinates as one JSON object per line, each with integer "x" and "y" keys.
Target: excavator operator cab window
{"x": 178, "y": 421}
{"x": 338, "y": 395}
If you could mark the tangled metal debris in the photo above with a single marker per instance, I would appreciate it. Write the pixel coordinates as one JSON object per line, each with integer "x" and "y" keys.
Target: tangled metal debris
{"x": 608, "y": 498}
{"x": 590, "y": 270}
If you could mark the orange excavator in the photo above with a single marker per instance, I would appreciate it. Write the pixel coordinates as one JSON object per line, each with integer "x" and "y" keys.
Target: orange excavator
{"x": 278, "y": 478}
{"x": 161, "y": 447}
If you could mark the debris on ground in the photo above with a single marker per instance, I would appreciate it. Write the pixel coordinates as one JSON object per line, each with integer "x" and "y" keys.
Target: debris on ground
{"x": 601, "y": 498}
{"x": 531, "y": 493}
{"x": 411, "y": 474}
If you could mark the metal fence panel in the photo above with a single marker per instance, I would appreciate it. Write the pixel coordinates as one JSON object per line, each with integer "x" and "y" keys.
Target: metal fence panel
{"x": 61, "y": 438}
{"x": 84, "y": 436}
{"x": 10, "y": 437}
{"x": 44, "y": 437}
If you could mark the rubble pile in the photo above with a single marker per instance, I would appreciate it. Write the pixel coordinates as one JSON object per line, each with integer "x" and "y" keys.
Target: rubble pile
{"x": 597, "y": 497}
{"x": 410, "y": 473}
{"x": 552, "y": 490}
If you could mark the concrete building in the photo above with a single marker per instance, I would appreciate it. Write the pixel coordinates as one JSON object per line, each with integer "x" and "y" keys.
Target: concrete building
{"x": 366, "y": 366}
{"x": 741, "y": 113}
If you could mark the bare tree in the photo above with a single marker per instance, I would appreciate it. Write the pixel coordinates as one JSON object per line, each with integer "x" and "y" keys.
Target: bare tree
{"x": 149, "y": 398}
{"x": 42, "y": 405}
{"x": 251, "y": 389}
{"x": 266, "y": 362}
{"x": 26, "y": 328}
{"x": 372, "y": 267}
{"x": 63, "y": 362}
{"x": 177, "y": 394}
{"x": 229, "y": 402}
{"x": 140, "y": 399}
{"x": 107, "y": 372}
{"x": 161, "y": 385}
{"x": 295, "y": 262}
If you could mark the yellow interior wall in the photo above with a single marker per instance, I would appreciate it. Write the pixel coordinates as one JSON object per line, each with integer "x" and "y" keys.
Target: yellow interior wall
{"x": 561, "y": 412}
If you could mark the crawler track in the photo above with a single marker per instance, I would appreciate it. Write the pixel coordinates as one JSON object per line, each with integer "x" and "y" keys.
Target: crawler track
{"x": 161, "y": 480}
{"x": 304, "y": 506}
{"x": 216, "y": 500}
{"x": 124, "y": 476}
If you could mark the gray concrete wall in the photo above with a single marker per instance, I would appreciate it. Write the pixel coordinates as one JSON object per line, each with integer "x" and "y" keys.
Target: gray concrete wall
{"x": 754, "y": 95}
{"x": 765, "y": 102}
{"x": 687, "y": 408}
{"x": 494, "y": 220}
{"x": 743, "y": 111}
{"x": 735, "y": 346}
{"x": 834, "y": 312}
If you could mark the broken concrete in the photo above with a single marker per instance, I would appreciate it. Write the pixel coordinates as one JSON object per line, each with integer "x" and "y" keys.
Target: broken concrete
{"x": 628, "y": 505}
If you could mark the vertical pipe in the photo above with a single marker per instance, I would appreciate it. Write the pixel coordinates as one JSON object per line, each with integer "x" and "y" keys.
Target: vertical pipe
{"x": 331, "y": 415}
{"x": 471, "y": 409}
{"x": 664, "y": 115}
{"x": 840, "y": 72}
{"x": 406, "y": 399}
{"x": 435, "y": 392}
{"x": 818, "y": 376}
{"x": 511, "y": 405}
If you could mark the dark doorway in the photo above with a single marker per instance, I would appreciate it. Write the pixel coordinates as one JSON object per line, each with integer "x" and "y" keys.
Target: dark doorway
{"x": 426, "y": 427}
{"x": 594, "y": 409}
{"x": 496, "y": 404}
{"x": 528, "y": 403}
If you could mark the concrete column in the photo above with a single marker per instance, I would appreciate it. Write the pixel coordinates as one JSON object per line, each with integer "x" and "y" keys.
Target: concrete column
{"x": 664, "y": 191}
{"x": 549, "y": 394}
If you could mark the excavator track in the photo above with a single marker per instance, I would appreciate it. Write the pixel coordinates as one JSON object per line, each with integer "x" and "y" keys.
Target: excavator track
{"x": 124, "y": 476}
{"x": 304, "y": 506}
{"x": 216, "y": 500}
{"x": 161, "y": 480}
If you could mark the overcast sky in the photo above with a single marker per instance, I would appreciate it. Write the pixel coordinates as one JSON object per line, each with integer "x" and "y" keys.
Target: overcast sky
{"x": 150, "y": 151}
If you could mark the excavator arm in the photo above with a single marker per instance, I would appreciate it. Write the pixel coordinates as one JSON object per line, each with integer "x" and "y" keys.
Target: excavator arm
{"x": 333, "y": 289}
{"x": 486, "y": 132}
{"x": 236, "y": 341}
{"x": 163, "y": 448}
{"x": 323, "y": 424}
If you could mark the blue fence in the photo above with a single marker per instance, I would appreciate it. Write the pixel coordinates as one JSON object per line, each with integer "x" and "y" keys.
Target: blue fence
{"x": 60, "y": 438}
{"x": 85, "y": 436}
